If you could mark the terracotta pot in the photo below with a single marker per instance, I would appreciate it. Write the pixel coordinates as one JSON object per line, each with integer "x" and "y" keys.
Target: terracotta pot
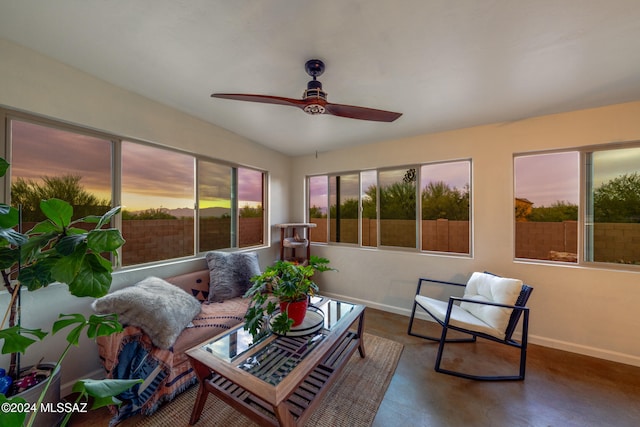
{"x": 295, "y": 310}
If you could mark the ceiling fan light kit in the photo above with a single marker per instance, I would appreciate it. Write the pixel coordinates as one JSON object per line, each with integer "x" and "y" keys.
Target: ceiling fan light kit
{"x": 314, "y": 100}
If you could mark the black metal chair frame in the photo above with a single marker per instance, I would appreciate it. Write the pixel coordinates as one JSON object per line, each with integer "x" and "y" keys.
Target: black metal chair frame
{"x": 519, "y": 310}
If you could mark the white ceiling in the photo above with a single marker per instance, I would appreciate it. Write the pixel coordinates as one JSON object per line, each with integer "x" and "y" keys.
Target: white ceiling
{"x": 445, "y": 64}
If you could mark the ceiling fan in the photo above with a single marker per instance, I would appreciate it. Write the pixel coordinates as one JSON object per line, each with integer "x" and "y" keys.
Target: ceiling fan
{"x": 314, "y": 100}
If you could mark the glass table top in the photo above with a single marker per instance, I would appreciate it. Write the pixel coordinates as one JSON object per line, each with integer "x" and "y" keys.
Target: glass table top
{"x": 276, "y": 359}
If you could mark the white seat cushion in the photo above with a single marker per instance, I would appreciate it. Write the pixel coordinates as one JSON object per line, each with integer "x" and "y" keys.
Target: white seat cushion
{"x": 459, "y": 317}
{"x": 490, "y": 288}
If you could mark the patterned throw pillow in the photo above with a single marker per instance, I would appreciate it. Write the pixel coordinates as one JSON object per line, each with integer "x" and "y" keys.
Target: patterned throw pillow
{"x": 230, "y": 273}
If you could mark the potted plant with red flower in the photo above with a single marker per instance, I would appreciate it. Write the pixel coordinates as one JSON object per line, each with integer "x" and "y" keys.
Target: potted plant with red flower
{"x": 284, "y": 285}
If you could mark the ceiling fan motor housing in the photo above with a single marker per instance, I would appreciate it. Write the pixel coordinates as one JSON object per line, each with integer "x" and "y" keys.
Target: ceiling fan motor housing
{"x": 314, "y": 92}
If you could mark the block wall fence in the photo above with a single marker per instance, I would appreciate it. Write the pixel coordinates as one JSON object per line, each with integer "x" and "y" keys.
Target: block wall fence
{"x": 613, "y": 242}
{"x": 153, "y": 240}
{"x": 158, "y": 239}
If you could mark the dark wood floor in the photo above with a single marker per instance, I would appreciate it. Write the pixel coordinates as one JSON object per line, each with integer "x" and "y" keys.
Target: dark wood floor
{"x": 561, "y": 389}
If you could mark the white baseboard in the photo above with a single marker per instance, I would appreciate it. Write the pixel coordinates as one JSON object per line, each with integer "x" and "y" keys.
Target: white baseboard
{"x": 599, "y": 353}
{"x": 389, "y": 308}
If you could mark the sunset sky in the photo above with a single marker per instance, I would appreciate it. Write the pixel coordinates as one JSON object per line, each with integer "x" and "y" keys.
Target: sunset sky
{"x": 546, "y": 178}
{"x": 543, "y": 179}
{"x": 40, "y": 151}
{"x": 152, "y": 177}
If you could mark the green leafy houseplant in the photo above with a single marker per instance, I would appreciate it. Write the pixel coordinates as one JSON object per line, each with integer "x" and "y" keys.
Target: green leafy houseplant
{"x": 286, "y": 282}
{"x": 57, "y": 250}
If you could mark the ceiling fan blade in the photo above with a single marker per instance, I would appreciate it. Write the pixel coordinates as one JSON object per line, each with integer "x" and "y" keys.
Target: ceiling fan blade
{"x": 361, "y": 113}
{"x": 266, "y": 99}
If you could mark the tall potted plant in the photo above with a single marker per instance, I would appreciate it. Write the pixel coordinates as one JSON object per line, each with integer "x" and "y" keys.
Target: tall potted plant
{"x": 290, "y": 285}
{"x": 56, "y": 250}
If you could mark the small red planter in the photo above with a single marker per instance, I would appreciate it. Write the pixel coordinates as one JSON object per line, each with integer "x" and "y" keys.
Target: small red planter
{"x": 295, "y": 310}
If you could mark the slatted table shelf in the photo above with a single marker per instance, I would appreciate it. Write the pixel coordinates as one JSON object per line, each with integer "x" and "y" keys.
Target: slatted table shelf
{"x": 279, "y": 380}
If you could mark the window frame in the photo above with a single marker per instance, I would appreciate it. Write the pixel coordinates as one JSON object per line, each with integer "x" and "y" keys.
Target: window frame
{"x": 471, "y": 222}
{"x": 7, "y": 115}
{"x": 579, "y": 220}
{"x": 418, "y": 214}
{"x": 584, "y": 221}
{"x": 587, "y": 251}
{"x": 264, "y": 207}
{"x": 418, "y": 208}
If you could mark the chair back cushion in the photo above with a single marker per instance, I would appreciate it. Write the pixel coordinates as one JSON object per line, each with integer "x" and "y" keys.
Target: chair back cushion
{"x": 489, "y": 288}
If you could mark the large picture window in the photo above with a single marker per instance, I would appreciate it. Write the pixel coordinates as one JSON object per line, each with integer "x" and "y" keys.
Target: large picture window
{"x": 548, "y": 206}
{"x": 223, "y": 210}
{"x": 155, "y": 186}
{"x": 385, "y": 204}
{"x": 445, "y": 190}
{"x": 547, "y": 191}
{"x": 51, "y": 163}
{"x": 158, "y": 204}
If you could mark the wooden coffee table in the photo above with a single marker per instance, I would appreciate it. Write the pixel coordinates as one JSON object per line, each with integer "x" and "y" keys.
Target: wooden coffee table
{"x": 278, "y": 380}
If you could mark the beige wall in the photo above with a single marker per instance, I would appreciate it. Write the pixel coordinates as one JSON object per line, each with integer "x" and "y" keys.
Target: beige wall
{"x": 581, "y": 309}
{"x": 39, "y": 85}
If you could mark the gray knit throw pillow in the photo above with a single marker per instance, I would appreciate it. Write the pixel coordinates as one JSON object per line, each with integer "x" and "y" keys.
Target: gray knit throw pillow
{"x": 230, "y": 273}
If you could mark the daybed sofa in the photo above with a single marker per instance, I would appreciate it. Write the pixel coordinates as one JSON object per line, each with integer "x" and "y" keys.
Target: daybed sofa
{"x": 138, "y": 351}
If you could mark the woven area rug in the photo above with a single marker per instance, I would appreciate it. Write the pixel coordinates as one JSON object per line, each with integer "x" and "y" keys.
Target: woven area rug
{"x": 352, "y": 401}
